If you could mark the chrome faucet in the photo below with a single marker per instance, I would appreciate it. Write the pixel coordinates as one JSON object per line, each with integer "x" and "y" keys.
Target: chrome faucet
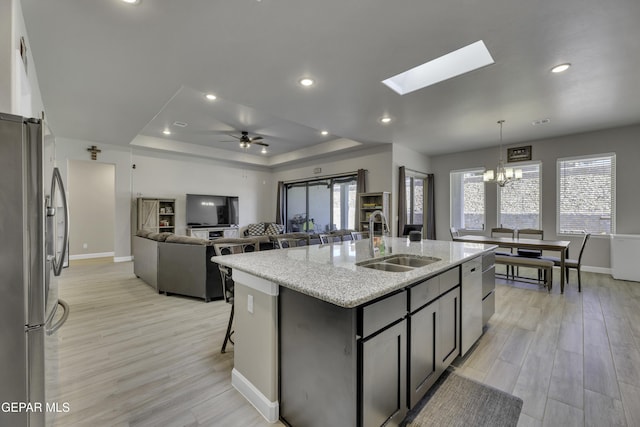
{"x": 385, "y": 228}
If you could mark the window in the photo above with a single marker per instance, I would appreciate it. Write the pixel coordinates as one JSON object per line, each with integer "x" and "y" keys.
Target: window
{"x": 320, "y": 206}
{"x": 586, "y": 194}
{"x": 467, "y": 199}
{"x": 519, "y": 201}
{"x": 414, "y": 190}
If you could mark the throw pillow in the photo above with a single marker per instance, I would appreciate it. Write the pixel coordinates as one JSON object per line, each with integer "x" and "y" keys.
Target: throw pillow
{"x": 274, "y": 228}
{"x": 255, "y": 229}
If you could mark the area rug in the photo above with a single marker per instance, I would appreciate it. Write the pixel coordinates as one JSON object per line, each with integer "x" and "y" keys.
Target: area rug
{"x": 457, "y": 401}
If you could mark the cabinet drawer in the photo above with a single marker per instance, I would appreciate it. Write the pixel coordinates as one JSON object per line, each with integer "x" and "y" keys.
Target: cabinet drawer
{"x": 424, "y": 292}
{"x": 488, "y": 260}
{"x": 449, "y": 279}
{"x": 488, "y": 281}
{"x": 382, "y": 313}
{"x": 488, "y": 307}
{"x": 472, "y": 266}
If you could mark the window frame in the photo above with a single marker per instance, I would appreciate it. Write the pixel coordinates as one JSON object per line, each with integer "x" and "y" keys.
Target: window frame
{"x": 499, "y": 193}
{"x": 611, "y": 155}
{"x": 479, "y": 170}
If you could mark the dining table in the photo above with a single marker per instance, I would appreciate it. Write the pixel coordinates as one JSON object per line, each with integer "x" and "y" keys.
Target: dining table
{"x": 561, "y": 246}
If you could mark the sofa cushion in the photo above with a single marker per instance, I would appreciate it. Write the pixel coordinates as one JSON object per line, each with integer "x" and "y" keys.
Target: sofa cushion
{"x": 187, "y": 240}
{"x": 255, "y": 229}
{"x": 143, "y": 233}
{"x": 159, "y": 237}
{"x": 274, "y": 228}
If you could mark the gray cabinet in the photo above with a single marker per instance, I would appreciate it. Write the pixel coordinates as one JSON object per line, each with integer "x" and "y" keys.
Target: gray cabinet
{"x": 365, "y": 366}
{"x": 488, "y": 286}
{"x": 383, "y": 377}
{"x": 157, "y": 215}
{"x": 424, "y": 371}
{"x": 434, "y": 330}
{"x": 471, "y": 303}
{"x": 448, "y": 342}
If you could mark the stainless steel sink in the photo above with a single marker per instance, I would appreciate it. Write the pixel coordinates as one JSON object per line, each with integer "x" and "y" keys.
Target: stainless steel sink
{"x": 387, "y": 267}
{"x": 398, "y": 263}
{"x": 412, "y": 260}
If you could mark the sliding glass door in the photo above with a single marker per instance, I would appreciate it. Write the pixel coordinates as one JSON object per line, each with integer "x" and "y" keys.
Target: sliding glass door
{"x": 321, "y": 206}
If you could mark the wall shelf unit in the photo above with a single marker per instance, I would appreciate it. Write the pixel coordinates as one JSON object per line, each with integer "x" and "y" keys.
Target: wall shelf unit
{"x": 157, "y": 215}
{"x": 367, "y": 204}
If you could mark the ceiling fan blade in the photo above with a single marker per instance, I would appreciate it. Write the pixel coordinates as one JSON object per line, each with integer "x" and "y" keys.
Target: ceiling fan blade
{"x": 233, "y": 136}
{"x": 264, "y": 144}
{"x": 256, "y": 138}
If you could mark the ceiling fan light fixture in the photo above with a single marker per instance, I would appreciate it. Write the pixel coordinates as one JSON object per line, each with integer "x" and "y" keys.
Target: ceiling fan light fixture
{"x": 306, "y": 82}
{"x": 560, "y": 68}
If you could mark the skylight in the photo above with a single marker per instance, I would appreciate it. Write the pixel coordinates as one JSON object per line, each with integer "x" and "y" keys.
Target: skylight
{"x": 452, "y": 64}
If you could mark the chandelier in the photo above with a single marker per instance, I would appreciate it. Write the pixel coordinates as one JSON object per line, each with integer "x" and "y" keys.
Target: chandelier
{"x": 501, "y": 175}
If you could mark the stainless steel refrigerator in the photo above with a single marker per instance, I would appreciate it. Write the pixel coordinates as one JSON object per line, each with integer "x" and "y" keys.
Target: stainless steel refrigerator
{"x": 33, "y": 241}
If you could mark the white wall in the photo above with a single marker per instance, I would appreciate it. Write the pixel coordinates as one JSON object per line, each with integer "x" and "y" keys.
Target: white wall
{"x": 70, "y": 149}
{"x": 91, "y": 195}
{"x": 623, "y": 141}
{"x": 173, "y": 176}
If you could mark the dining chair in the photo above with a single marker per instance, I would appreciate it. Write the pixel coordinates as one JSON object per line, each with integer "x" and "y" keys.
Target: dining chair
{"x": 326, "y": 238}
{"x": 454, "y": 232}
{"x": 228, "y": 285}
{"x": 502, "y": 251}
{"x": 572, "y": 263}
{"x": 291, "y": 242}
{"x": 359, "y": 235}
{"x": 530, "y": 233}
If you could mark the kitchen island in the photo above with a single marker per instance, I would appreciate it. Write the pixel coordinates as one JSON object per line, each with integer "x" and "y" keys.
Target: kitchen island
{"x": 323, "y": 339}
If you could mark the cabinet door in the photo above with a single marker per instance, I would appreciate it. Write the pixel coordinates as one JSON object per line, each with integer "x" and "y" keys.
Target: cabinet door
{"x": 383, "y": 377}
{"x": 423, "y": 366}
{"x": 448, "y": 340}
{"x": 200, "y": 234}
{"x": 148, "y": 214}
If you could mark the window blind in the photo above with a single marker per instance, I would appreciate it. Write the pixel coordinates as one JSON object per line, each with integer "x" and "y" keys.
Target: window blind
{"x": 586, "y": 194}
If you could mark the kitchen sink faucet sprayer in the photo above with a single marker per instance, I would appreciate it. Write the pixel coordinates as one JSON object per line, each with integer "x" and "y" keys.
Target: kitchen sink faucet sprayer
{"x": 385, "y": 230}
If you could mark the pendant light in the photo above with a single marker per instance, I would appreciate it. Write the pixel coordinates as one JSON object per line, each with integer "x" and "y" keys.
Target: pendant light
{"x": 501, "y": 175}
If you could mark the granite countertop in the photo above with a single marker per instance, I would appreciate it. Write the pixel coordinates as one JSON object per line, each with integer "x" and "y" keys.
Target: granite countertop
{"x": 329, "y": 272}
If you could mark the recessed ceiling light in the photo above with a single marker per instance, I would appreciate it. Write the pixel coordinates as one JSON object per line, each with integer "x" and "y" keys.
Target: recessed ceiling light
{"x": 180, "y": 124}
{"x": 132, "y": 1}
{"x": 264, "y": 150}
{"x": 324, "y": 133}
{"x": 211, "y": 97}
{"x": 461, "y": 61}
{"x": 385, "y": 120}
{"x": 166, "y": 132}
{"x": 560, "y": 68}
{"x": 306, "y": 81}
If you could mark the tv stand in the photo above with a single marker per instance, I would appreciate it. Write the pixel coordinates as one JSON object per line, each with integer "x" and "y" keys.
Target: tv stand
{"x": 211, "y": 233}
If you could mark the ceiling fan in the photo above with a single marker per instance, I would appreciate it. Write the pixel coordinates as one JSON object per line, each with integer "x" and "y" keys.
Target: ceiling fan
{"x": 246, "y": 140}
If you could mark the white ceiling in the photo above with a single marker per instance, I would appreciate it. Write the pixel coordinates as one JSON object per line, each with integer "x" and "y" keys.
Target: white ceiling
{"x": 114, "y": 73}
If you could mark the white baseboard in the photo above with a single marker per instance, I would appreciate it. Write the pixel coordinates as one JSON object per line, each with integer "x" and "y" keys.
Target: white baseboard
{"x": 268, "y": 409}
{"x": 89, "y": 256}
{"x": 123, "y": 258}
{"x": 601, "y": 270}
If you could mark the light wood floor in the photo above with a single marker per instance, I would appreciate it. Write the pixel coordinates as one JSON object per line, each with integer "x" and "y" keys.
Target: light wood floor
{"x": 131, "y": 357}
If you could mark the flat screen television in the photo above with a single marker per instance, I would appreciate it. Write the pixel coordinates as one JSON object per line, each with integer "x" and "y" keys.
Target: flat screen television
{"x": 211, "y": 211}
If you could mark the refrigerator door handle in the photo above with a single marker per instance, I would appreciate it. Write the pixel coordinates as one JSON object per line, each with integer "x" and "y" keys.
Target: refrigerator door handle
{"x": 57, "y": 179}
{"x": 62, "y": 320}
